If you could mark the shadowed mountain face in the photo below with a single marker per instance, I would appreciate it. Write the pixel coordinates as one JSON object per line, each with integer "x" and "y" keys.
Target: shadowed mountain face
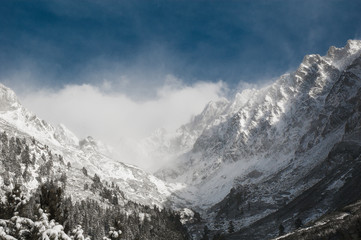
{"x": 287, "y": 151}
{"x": 336, "y": 179}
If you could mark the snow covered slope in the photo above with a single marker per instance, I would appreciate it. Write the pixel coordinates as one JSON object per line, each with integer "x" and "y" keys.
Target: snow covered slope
{"x": 137, "y": 185}
{"x": 265, "y": 141}
{"x": 265, "y": 156}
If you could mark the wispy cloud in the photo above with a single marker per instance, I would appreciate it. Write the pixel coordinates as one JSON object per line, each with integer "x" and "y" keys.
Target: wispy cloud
{"x": 115, "y": 118}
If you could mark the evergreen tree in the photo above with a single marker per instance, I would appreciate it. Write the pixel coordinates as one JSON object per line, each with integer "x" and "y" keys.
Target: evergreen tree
{"x": 77, "y": 233}
{"x": 298, "y": 223}
{"x": 51, "y": 200}
{"x": 6, "y": 178}
{"x": 18, "y": 146}
{"x": 113, "y": 234}
{"x": 230, "y": 227}
{"x": 205, "y": 233}
{"x": 11, "y": 158}
{"x": 85, "y": 172}
{"x": 25, "y": 156}
{"x": 26, "y": 175}
{"x": 63, "y": 179}
{"x": 4, "y": 139}
{"x": 33, "y": 159}
{"x": 219, "y": 236}
{"x": 115, "y": 200}
{"x": 96, "y": 178}
{"x": 281, "y": 230}
{"x": 37, "y": 218}
{"x": 13, "y": 199}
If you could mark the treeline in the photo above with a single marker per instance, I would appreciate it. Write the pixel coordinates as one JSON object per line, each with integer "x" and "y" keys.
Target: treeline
{"x": 131, "y": 221}
{"x": 19, "y": 161}
{"x": 48, "y": 212}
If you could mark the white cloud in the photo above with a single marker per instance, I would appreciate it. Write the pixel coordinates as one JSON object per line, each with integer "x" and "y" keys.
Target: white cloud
{"x": 114, "y": 117}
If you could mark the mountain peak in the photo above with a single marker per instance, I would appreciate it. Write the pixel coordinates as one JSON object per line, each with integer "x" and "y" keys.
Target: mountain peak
{"x": 311, "y": 59}
{"x": 345, "y": 55}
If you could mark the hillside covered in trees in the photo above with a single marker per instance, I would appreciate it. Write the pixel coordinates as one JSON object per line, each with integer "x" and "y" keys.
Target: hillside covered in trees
{"x": 35, "y": 203}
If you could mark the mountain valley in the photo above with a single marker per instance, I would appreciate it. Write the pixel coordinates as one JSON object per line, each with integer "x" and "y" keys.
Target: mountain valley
{"x": 244, "y": 168}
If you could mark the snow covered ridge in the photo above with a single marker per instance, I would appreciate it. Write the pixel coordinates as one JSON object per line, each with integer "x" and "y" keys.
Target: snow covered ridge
{"x": 266, "y": 139}
{"x": 253, "y": 110}
{"x": 279, "y": 92}
{"x": 341, "y": 57}
{"x": 138, "y": 185}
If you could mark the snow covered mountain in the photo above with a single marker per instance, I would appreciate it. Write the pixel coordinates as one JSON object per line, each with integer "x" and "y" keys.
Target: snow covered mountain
{"x": 264, "y": 158}
{"x": 92, "y": 155}
{"x": 247, "y": 158}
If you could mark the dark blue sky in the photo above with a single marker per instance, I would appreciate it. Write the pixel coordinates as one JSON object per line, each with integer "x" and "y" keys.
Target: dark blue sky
{"x": 53, "y": 43}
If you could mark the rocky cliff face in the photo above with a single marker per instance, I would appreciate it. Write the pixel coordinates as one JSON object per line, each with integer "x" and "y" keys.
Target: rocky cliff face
{"x": 326, "y": 182}
{"x": 255, "y": 157}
